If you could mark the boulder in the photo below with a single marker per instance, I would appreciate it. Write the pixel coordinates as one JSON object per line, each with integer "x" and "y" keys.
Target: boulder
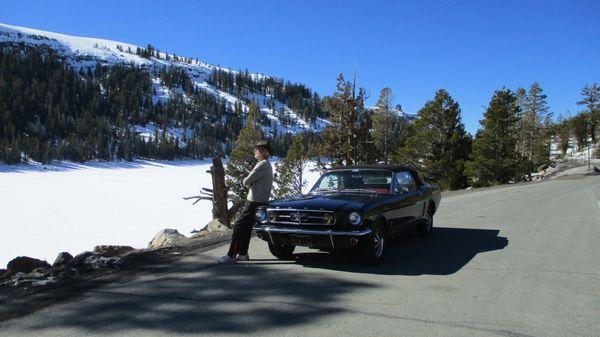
{"x": 111, "y": 251}
{"x": 216, "y": 226}
{"x": 38, "y": 273}
{"x": 19, "y": 276}
{"x": 25, "y": 264}
{"x": 199, "y": 234}
{"x": 137, "y": 257}
{"x": 167, "y": 238}
{"x": 98, "y": 261}
{"x": 89, "y": 261}
{"x": 79, "y": 259}
{"x": 62, "y": 259}
{"x": 4, "y": 274}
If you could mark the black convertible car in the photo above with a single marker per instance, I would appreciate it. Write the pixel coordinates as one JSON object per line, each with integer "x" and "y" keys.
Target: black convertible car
{"x": 350, "y": 207}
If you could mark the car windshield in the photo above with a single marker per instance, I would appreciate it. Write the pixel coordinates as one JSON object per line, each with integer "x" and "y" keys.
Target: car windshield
{"x": 356, "y": 180}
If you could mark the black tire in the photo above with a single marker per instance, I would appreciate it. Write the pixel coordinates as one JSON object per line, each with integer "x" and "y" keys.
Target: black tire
{"x": 373, "y": 251}
{"x": 426, "y": 227}
{"x": 282, "y": 252}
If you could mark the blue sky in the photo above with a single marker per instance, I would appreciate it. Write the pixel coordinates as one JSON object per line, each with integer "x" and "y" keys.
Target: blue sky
{"x": 469, "y": 48}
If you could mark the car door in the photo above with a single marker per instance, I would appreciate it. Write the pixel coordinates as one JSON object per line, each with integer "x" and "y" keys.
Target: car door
{"x": 407, "y": 204}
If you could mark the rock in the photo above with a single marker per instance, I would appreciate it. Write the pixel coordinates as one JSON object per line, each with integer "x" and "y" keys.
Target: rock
{"x": 89, "y": 261}
{"x": 111, "y": 251}
{"x": 79, "y": 259}
{"x": 199, "y": 234}
{"x": 216, "y": 226}
{"x": 134, "y": 258}
{"x": 63, "y": 271}
{"x": 24, "y": 264}
{"x": 167, "y": 238}
{"x": 4, "y": 274}
{"x": 62, "y": 259}
{"x": 98, "y": 261}
{"x": 48, "y": 281}
{"x": 19, "y": 276}
{"x": 38, "y": 273}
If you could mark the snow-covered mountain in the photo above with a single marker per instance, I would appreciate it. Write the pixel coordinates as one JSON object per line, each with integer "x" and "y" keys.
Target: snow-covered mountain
{"x": 408, "y": 116}
{"x": 84, "y": 52}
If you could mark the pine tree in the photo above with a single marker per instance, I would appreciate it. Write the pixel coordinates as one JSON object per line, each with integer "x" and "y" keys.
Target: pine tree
{"x": 563, "y": 132}
{"x": 364, "y": 149}
{"x": 385, "y": 125}
{"x": 338, "y": 138}
{"x": 544, "y": 142}
{"x": 242, "y": 159}
{"x": 289, "y": 179}
{"x": 495, "y": 159}
{"x": 520, "y": 95}
{"x": 580, "y": 126}
{"x": 535, "y": 111}
{"x": 591, "y": 100}
{"x": 437, "y": 144}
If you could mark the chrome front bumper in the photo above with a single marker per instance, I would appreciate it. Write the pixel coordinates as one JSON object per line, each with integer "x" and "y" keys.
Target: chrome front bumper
{"x": 301, "y": 231}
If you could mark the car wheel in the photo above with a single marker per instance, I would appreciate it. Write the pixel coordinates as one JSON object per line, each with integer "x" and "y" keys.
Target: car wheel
{"x": 374, "y": 249}
{"x": 427, "y": 226}
{"x": 282, "y": 252}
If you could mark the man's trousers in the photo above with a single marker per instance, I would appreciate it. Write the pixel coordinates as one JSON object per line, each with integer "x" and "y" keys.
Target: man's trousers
{"x": 242, "y": 229}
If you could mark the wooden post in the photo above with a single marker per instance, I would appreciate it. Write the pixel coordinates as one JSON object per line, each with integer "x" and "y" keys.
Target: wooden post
{"x": 220, "y": 210}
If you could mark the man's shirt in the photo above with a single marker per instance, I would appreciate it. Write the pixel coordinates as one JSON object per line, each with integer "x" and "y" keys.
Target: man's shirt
{"x": 260, "y": 182}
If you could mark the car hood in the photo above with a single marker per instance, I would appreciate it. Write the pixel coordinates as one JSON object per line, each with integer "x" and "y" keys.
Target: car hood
{"x": 330, "y": 201}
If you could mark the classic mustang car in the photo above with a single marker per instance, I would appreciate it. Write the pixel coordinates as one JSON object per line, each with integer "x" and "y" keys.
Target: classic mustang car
{"x": 350, "y": 207}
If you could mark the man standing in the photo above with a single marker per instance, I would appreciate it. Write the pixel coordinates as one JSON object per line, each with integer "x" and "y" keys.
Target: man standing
{"x": 260, "y": 182}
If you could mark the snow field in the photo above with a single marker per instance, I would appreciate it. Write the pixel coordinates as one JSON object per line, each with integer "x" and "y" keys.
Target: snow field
{"x": 74, "y": 207}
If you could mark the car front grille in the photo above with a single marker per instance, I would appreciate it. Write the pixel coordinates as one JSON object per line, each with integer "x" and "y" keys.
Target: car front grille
{"x": 288, "y": 216}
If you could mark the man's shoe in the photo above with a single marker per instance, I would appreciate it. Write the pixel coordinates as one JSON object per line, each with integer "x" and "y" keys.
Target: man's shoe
{"x": 241, "y": 257}
{"x": 226, "y": 260}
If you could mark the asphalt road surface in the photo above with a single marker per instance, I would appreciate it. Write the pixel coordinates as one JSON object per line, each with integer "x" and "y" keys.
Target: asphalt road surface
{"x": 515, "y": 261}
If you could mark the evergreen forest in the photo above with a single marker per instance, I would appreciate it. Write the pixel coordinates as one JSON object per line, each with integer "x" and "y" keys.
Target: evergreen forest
{"x": 51, "y": 110}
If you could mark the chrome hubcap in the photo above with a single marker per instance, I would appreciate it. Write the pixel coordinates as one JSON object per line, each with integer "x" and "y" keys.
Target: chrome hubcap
{"x": 428, "y": 219}
{"x": 378, "y": 243}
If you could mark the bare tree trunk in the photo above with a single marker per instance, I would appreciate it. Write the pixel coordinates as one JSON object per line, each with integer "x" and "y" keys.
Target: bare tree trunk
{"x": 220, "y": 210}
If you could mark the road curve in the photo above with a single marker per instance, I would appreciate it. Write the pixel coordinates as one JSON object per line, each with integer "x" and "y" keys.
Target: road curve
{"x": 514, "y": 261}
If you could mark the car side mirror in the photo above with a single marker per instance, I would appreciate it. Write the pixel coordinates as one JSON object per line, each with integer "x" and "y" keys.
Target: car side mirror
{"x": 401, "y": 189}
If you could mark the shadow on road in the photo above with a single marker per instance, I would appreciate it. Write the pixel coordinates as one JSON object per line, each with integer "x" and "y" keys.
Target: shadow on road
{"x": 195, "y": 299}
{"x": 190, "y": 297}
{"x": 445, "y": 252}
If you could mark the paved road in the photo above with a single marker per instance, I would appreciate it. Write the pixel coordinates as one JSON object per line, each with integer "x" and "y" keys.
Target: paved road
{"x": 515, "y": 261}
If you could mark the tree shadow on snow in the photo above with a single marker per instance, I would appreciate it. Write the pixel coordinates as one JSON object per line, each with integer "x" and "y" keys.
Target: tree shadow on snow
{"x": 63, "y": 166}
{"x": 445, "y": 252}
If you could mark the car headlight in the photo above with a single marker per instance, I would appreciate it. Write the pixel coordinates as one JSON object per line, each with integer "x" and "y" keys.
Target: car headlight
{"x": 261, "y": 215}
{"x": 354, "y": 218}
